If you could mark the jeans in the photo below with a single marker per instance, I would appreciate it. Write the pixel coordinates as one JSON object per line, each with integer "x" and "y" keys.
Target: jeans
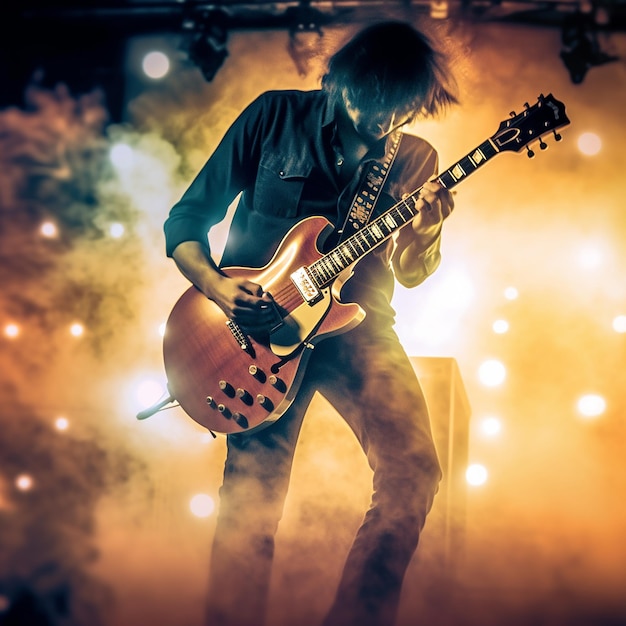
{"x": 368, "y": 378}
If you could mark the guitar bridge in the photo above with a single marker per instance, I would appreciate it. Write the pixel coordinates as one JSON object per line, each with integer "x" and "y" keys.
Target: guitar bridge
{"x": 306, "y": 286}
{"x": 240, "y": 336}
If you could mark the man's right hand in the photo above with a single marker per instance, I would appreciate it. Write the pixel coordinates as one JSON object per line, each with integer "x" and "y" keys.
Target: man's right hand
{"x": 242, "y": 301}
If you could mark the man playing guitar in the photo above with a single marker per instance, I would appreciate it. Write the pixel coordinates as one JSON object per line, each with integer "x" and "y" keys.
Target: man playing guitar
{"x": 292, "y": 155}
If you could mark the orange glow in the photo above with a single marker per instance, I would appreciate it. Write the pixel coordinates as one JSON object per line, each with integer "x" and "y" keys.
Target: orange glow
{"x": 529, "y": 299}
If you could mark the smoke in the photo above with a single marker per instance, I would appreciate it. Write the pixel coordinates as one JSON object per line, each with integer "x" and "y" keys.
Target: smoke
{"x": 539, "y": 544}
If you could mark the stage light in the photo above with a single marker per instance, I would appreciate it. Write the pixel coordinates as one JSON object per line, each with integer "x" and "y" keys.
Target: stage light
{"x": 48, "y": 229}
{"x": 476, "y": 475}
{"x": 116, "y": 230}
{"x": 12, "y": 330}
{"x": 511, "y": 293}
{"x": 77, "y": 329}
{"x": 500, "y": 327}
{"x": 24, "y": 482}
{"x": 591, "y": 405}
{"x": 492, "y": 373}
{"x": 439, "y": 9}
{"x": 202, "y": 505}
{"x": 306, "y": 36}
{"x": 206, "y": 47}
{"x": 491, "y": 426}
{"x": 589, "y": 144}
{"x": 61, "y": 423}
{"x": 149, "y": 391}
{"x": 155, "y": 64}
{"x": 619, "y": 324}
{"x": 580, "y": 47}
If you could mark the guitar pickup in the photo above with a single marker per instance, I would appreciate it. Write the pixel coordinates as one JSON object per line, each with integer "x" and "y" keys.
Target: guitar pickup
{"x": 306, "y": 286}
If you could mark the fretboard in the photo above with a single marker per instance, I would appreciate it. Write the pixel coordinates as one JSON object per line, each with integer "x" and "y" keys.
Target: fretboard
{"x": 327, "y": 268}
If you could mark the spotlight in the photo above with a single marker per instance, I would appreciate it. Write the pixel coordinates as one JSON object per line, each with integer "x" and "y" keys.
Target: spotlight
{"x": 207, "y": 48}
{"x": 305, "y": 35}
{"x": 581, "y": 48}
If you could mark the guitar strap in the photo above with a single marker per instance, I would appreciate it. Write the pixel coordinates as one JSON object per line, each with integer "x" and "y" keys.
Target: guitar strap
{"x": 365, "y": 199}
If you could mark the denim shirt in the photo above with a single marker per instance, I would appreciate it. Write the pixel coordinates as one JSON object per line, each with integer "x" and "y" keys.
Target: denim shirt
{"x": 279, "y": 155}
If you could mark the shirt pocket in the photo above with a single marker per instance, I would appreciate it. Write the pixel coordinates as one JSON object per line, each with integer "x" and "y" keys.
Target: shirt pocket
{"x": 279, "y": 184}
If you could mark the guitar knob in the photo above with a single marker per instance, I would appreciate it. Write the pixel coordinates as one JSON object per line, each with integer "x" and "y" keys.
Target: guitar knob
{"x": 210, "y": 401}
{"x": 277, "y": 383}
{"x": 227, "y": 388}
{"x": 244, "y": 396}
{"x": 224, "y": 410}
{"x": 257, "y": 373}
{"x": 240, "y": 420}
{"x": 265, "y": 402}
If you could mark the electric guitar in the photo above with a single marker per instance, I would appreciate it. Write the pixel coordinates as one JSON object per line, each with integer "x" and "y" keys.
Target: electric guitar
{"x": 231, "y": 382}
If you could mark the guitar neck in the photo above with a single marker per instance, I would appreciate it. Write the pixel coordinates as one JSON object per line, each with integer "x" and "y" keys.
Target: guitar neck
{"x": 363, "y": 241}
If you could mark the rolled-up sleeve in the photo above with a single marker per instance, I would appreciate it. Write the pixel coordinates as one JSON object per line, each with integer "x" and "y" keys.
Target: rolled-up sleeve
{"x": 229, "y": 170}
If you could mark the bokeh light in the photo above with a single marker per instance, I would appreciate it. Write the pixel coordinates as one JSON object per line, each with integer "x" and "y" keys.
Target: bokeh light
{"x": 491, "y": 426}
{"x": 619, "y": 324}
{"x": 116, "y": 230}
{"x": 48, "y": 229}
{"x": 589, "y": 144}
{"x": 202, "y": 505}
{"x": 12, "y": 330}
{"x": 24, "y": 482}
{"x": 476, "y": 474}
{"x": 500, "y": 327}
{"x": 511, "y": 293}
{"x": 155, "y": 64}
{"x": 61, "y": 423}
{"x": 77, "y": 329}
{"x": 591, "y": 405}
{"x": 492, "y": 373}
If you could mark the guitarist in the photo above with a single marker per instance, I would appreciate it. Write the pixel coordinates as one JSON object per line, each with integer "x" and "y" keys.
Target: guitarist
{"x": 293, "y": 154}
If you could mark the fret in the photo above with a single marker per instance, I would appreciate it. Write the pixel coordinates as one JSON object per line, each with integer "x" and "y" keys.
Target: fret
{"x": 350, "y": 245}
{"x": 336, "y": 260}
{"x": 314, "y": 274}
{"x": 369, "y": 238}
{"x": 401, "y": 219}
{"x": 348, "y": 254}
{"x": 359, "y": 239}
{"x": 404, "y": 205}
{"x": 329, "y": 266}
{"x": 377, "y": 232}
{"x": 389, "y": 221}
{"x": 323, "y": 269}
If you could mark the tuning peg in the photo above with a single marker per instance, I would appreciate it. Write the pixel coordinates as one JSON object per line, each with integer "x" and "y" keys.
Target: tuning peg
{"x": 557, "y": 136}
{"x": 526, "y": 105}
{"x": 512, "y": 113}
{"x": 542, "y": 144}
{"x": 529, "y": 153}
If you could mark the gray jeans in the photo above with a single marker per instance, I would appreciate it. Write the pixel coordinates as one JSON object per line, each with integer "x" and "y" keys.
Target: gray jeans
{"x": 370, "y": 381}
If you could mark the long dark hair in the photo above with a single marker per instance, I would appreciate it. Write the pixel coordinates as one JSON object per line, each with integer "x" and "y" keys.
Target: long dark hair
{"x": 391, "y": 66}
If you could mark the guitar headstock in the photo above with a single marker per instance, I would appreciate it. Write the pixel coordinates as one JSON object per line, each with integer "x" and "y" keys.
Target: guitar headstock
{"x": 546, "y": 115}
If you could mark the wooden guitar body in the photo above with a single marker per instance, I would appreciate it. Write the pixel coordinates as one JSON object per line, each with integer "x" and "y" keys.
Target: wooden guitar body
{"x": 231, "y": 383}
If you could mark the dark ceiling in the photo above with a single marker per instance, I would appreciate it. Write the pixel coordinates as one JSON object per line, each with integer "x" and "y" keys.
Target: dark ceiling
{"x": 82, "y": 43}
